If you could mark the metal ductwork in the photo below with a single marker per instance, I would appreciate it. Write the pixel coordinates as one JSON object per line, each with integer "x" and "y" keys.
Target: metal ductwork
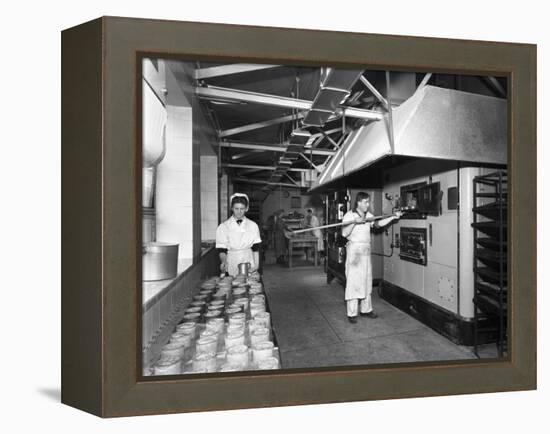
{"x": 434, "y": 123}
{"x": 332, "y": 93}
{"x": 294, "y": 148}
{"x": 296, "y": 145}
{"x": 334, "y": 90}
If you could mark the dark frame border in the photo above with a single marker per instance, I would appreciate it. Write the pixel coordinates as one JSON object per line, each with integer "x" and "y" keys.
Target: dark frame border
{"x": 100, "y": 179}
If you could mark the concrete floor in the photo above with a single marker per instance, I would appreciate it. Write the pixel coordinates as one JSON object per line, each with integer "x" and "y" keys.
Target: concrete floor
{"x": 312, "y": 330}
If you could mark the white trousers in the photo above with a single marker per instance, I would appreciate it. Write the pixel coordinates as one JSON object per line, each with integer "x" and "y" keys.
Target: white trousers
{"x": 365, "y": 305}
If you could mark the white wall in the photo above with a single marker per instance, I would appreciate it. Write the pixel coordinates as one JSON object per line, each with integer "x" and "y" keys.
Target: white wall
{"x": 223, "y": 185}
{"x": 188, "y": 131}
{"x": 209, "y": 196}
{"x": 174, "y": 200}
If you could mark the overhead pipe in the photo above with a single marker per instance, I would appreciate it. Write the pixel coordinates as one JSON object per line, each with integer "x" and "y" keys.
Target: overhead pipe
{"x": 233, "y": 95}
{"x": 374, "y": 91}
{"x": 245, "y": 154}
{"x": 309, "y": 161}
{"x": 257, "y": 167}
{"x": 258, "y": 125}
{"x": 496, "y": 86}
{"x": 273, "y": 148}
{"x": 235, "y": 68}
{"x": 390, "y": 114}
{"x": 294, "y": 182}
{"x": 424, "y": 81}
{"x": 260, "y": 181}
{"x": 330, "y": 139}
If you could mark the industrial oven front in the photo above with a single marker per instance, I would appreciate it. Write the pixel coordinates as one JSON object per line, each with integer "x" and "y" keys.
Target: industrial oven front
{"x": 432, "y": 275}
{"x": 424, "y": 262}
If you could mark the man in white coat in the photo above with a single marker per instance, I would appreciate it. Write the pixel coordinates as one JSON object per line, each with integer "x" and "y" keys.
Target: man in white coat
{"x": 358, "y": 256}
{"x": 238, "y": 238}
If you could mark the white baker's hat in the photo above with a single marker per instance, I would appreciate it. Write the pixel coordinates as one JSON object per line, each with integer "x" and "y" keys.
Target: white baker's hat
{"x": 240, "y": 195}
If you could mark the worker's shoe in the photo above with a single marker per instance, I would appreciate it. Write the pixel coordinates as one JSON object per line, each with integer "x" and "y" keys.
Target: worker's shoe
{"x": 370, "y": 314}
{"x": 352, "y": 319}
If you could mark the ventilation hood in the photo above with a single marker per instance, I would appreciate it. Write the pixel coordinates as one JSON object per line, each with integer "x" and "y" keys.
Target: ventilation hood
{"x": 435, "y": 123}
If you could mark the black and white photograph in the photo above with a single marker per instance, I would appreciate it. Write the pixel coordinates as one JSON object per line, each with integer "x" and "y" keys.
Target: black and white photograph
{"x": 302, "y": 217}
{"x": 243, "y": 216}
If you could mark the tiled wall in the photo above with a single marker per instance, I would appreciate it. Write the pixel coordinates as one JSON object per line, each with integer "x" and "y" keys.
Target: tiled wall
{"x": 209, "y": 196}
{"x": 162, "y": 312}
{"x": 204, "y": 138}
{"x": 224, "y": 197}
{"x": 174, "y": 200}
{"x": 174, "y": 197}
{"x": 230, "y": 191}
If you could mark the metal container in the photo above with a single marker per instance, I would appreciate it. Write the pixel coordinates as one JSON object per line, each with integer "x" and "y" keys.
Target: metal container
{"x": 262, "y": 351}
{"x": 168, "y": 366}
{"x": 160, "y": 261}
{"x": 238, "y": 355}
{"x": 244, "y": 268}
{"x": 268, "y": 363}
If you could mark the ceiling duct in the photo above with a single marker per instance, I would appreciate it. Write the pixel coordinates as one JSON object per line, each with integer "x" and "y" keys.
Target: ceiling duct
{"x": 334, "y": 90}
{"x": 295, "y": 146}
{"x": 434, "y": 123}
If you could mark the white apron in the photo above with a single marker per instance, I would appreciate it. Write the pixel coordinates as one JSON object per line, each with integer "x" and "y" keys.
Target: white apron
{"x": 358, "y": 260}
{"x": 236, "y": 257}
{"x": 358, "y": 270}
{"x": 238, "y": 240}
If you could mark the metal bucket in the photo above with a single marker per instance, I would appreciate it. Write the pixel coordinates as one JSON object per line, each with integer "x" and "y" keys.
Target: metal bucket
{"x": 160, "y": 261}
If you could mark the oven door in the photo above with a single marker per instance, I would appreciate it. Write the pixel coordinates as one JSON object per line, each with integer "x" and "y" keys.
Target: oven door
{"x": 429, "y": 199}
{"x": 413, "y": 245}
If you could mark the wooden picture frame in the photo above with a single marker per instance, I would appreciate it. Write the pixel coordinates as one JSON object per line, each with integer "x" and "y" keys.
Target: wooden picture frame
{"x": 101, "y": 228}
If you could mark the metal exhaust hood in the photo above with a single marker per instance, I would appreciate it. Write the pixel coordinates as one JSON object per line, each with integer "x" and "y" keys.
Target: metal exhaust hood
{"x": 435, "y": 123}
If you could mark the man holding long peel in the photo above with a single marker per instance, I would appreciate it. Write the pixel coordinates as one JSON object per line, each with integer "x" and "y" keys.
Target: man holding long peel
{"x": 356, "y": 227}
